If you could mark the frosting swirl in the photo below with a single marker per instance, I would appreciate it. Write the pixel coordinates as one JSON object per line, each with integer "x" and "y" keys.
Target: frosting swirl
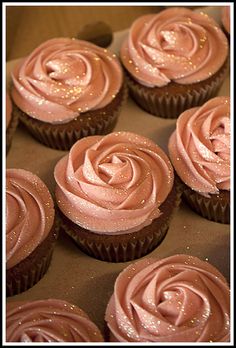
{"x": 225, "y": 18}
{"x": 113, "y": 184}
{"x": 49, "y": 320}
{"x": 64, "y": 77}
{"x": 177, "y": 299}
{"x": 177, "y": 45}
{"x": 199, "y": 148}
{"x": 29, "y": 214}
{"x": 8, "y": 110}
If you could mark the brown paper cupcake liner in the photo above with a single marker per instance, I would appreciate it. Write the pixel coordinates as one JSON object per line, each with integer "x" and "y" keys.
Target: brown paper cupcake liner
{"x": 10, "y": 131}
{"x": 125, "y": 247}
{"x": 26, "y": 281}
{"x": 118, "y": 252}
{"x": 63, "y": 136}
{"x": 29, "y": 271}
{"x": 159, "y": 102}
{"x": 215, "y": 208}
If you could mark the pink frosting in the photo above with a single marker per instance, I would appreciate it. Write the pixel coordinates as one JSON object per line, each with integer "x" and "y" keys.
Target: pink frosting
{"x": 113, "y": 184}
{"x": 177, "y": 299}
{"x": 64, "y": 77}
{"x": 177, "y": 45}
{"x": 29, "y": 214}
{"x": 8, "y": 110}
{"x": 199, "y": 148}
{"x": 49, "y": 320}
{"x": 225, "y": 18}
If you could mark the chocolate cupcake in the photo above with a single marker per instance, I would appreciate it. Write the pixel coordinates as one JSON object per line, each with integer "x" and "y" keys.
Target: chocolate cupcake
{"x": 67, "y": 89}
{"x": 116, "y": 195}
{"x": 30, "y": 230}
{"x": 177, "y": 299}
{"x": 174, "y": 60}
{"x": 11, "y": 123}
{"x": 51, "y": 320}
{"x": 199, "y": 149}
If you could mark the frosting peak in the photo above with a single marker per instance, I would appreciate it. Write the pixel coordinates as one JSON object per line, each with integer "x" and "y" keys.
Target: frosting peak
{"x": 64, "y": 77}
{"x": 113, "y": 184}
{"x": 177, "y": 299}
{"x": 49, "y": 320}
{"x": 177, "y": 45}
{"x": 29, "y": 214}
{"x": 199, "y": 148}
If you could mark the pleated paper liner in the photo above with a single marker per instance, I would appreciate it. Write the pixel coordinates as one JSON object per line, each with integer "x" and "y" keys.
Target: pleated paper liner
{"x": 171, "y": 100}
{"x": 63, "y": 136}
{"x": 10, "y": 131}
{"x": 215, "y": 208}
{"x": 124, "y": 247}
{"x": 29, "y": 271}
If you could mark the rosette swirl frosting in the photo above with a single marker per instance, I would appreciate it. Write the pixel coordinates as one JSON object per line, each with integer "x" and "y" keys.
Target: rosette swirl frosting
{"x": 199, "y": 148}
{"x": 8, "y": 110}
{"x": 225, "y": 18}
{"x": 29, "y": 214}
{"x": 177, "y": 45}
{"x": 177, "y": 299}
{"x": 113, "y": 184}
{"x": 64, "y": 77}
{"x": 49, "y": 320}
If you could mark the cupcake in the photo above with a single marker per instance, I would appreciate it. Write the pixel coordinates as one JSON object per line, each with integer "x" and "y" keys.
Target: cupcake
{"x": 199, "y": 149}
{"x": 11, "y": 123}
{"x": 225, "y": 19}
{"x": 116, "y": 195}
{"x": 30, "y": 230}
{"x": 51, "y": 320}
{"x": 174, "y": 60}
{"x": 67, "y": 89}
{"x": 177, "y": 299}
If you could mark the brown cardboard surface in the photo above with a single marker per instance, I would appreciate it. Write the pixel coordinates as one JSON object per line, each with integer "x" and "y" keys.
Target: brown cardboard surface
{"x": 83, "y": 280}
